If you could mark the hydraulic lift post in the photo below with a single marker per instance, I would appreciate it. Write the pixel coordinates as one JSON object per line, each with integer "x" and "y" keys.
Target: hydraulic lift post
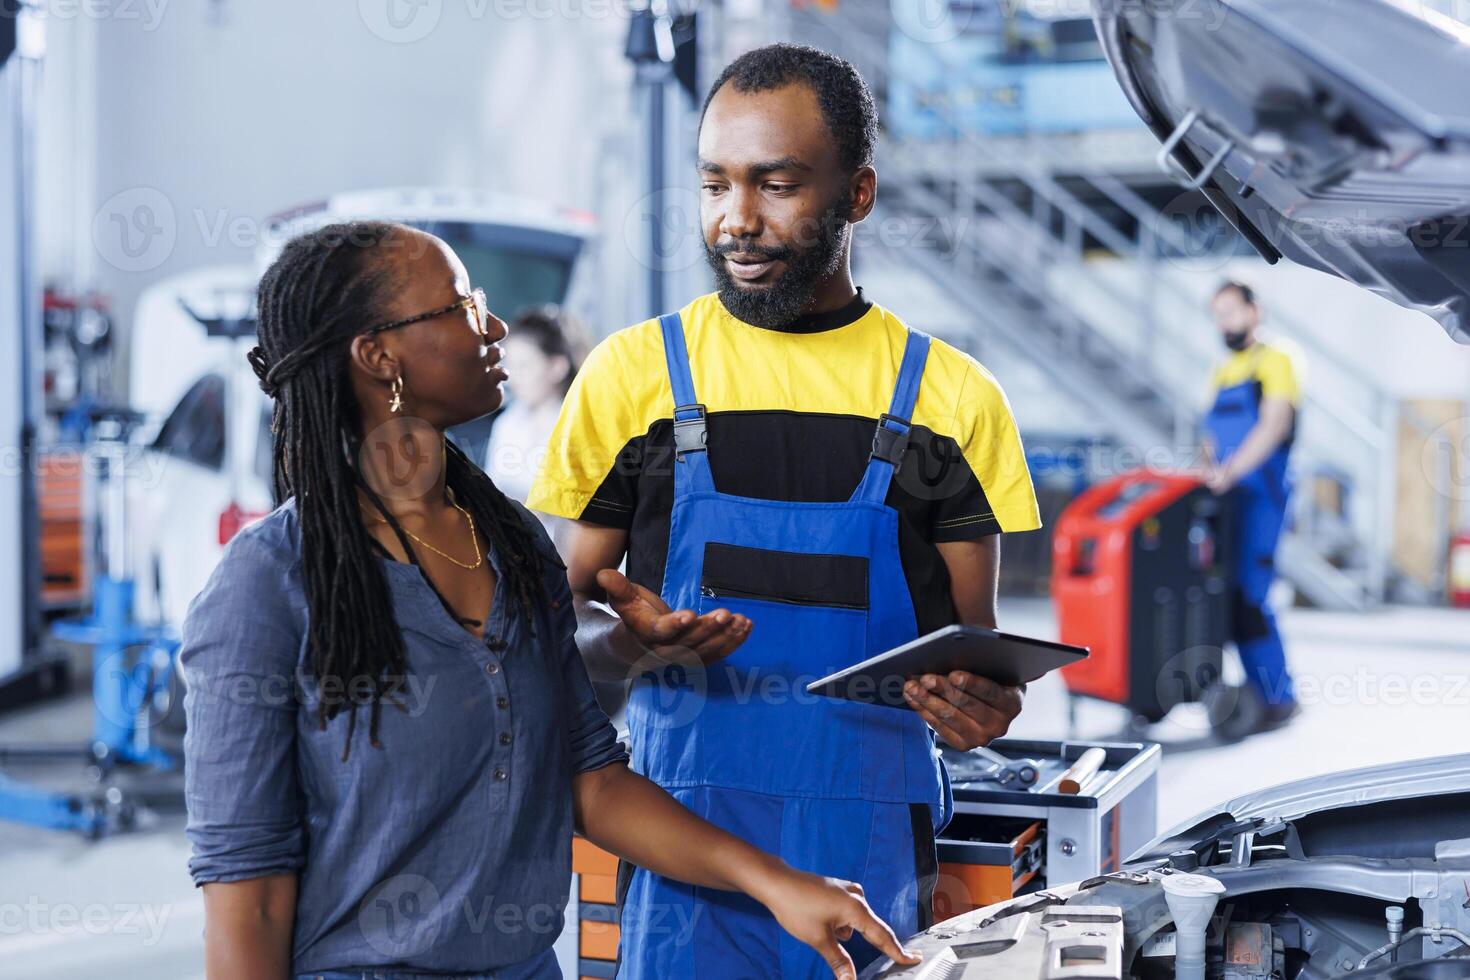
{"x": 26, "y": 672}
{"x": 132, "y": 663}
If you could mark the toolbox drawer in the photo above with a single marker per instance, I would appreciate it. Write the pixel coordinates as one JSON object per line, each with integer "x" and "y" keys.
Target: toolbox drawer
{"x": 983, "y": 860}
{"x": 597, "y": 915}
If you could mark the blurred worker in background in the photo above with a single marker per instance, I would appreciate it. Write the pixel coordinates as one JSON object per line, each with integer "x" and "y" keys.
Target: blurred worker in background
{"x": 544, "y": 348}
{"x": 1248, "y": 431}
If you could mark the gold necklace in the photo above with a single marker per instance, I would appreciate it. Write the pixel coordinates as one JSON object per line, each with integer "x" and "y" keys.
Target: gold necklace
{"x": 474, "y": 539}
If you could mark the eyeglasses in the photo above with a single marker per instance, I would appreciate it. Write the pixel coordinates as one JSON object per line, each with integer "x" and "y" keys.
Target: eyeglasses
{"x": 474, "y": 301}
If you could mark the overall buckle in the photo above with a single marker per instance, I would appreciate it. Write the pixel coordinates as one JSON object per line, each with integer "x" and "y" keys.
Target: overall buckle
{"x": 689, "y": 434}
{"x": 888, "y": 444}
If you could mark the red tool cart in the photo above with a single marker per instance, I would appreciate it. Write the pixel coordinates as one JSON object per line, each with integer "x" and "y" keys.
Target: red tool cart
{"x": 1140, "y": 574}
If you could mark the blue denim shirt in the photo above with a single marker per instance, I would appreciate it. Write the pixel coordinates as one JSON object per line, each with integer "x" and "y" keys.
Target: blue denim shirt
{"x": 448, "y": 849}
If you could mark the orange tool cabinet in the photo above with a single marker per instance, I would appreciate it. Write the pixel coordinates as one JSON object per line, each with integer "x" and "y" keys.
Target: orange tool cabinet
{"x": 597, "y": 914}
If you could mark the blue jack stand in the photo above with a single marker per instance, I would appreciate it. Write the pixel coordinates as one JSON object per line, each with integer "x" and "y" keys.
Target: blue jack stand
{"x": 131, "y": 670}
{"x": 131, "y": 664}
{"x": 135, "y": 685}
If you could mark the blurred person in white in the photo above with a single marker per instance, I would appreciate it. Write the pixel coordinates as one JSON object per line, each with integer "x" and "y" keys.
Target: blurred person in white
{"x": 546, "y": 346}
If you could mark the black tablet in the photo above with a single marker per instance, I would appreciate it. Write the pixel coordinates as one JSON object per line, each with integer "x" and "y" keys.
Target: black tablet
{"x": 1002, "y": 657}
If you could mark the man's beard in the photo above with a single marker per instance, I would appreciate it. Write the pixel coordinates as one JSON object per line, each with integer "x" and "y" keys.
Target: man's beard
{"x": 1237, "y": 341}
{"x": 779, "y": 304}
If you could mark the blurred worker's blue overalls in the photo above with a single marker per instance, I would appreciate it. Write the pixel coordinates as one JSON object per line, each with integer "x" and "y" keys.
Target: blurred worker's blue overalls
{"x": 1260, "y": 510}
{"x": 842, "y": 789}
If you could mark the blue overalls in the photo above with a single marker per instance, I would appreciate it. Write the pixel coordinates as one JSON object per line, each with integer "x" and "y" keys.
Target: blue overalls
{"x": 1260, "y": 510}
{"x": 843, "y": 789}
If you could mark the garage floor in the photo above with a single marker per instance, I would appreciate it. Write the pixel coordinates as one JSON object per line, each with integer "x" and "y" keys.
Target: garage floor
{"x": 1382, "y": 687}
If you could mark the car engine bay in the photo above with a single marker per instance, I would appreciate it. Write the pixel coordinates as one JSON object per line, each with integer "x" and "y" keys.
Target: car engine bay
{"x": 1377, "y": 888}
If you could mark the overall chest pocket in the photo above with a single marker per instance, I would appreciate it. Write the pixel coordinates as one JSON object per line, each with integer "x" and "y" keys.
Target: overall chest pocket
{"x": 810, "y": 611}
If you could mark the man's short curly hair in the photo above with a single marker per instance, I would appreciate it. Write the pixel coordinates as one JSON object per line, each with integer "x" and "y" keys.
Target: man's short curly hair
{"x": 846, "y": 104}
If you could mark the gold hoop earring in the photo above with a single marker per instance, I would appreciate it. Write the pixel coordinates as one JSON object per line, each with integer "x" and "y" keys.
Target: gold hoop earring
{"x": 395, "y": 404}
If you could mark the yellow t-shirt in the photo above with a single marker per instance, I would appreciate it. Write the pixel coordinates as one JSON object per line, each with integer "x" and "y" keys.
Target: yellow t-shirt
{"x": 791, "y": 416}
{"x": 1272, "y": 365}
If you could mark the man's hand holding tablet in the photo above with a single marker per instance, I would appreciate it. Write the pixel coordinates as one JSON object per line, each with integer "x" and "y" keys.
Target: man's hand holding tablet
{"x": 937, "y": 675}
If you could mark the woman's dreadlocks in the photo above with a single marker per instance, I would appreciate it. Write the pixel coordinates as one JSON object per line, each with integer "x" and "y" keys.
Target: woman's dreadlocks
{"x": 311, "y": 302}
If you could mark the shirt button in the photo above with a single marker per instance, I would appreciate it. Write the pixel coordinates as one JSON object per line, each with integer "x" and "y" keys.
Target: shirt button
{"x": 492, "y": 668}
{"x": 555, "y": 603}
{"x": 505, "y": 738}
{"x": 495, "y": 643}
{"x": 500, "y": 775}
{"x": 502, "y": 703}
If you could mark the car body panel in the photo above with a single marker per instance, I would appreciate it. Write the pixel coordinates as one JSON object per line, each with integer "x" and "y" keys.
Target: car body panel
{"x": 1340, "y": 130}
{"x": 1291, "y": 801}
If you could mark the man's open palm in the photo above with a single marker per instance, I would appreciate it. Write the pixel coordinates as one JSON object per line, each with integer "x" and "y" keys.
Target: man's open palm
{"x": 678, "y": 636}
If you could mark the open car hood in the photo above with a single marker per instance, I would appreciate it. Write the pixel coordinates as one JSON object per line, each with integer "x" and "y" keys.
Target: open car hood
{"x": 1335, "y": 133}
{"x": 1288, "y": 802}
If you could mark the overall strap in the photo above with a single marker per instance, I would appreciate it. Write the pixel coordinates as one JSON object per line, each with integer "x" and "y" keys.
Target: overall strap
{"x": 1248, "y": 385}
{"x": 691, "y": 459}
{"x": 891, "y": 437}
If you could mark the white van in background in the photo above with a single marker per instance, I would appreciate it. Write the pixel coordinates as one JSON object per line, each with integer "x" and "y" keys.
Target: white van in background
{"x": 208, "y": 428}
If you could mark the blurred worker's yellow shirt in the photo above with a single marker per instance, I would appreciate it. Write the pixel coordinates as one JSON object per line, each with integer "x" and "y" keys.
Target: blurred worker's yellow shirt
{"x": 1275, "y": 366}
